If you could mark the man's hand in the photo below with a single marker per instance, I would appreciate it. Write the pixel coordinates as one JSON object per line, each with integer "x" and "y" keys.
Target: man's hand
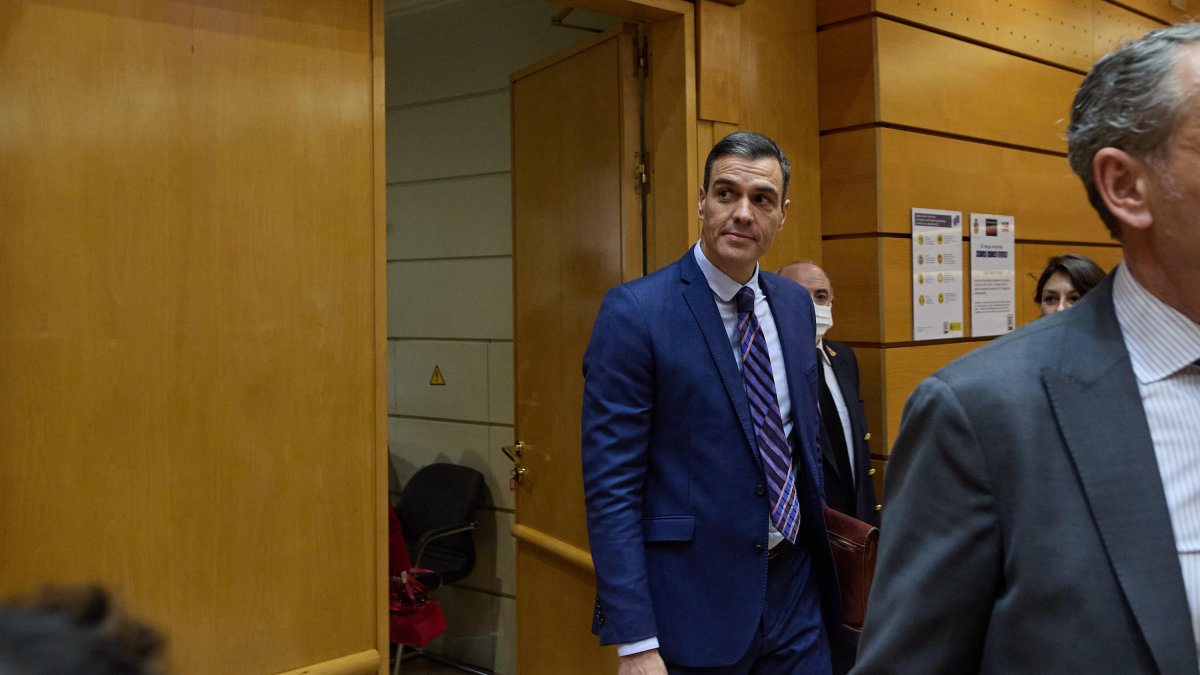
{"x": 643, "y": 663}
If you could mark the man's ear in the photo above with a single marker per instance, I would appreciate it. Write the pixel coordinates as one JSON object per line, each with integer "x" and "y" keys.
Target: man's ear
{"x": 783, "y": 211}
{"x": 1123, "y": 182}
{"x": 700, "y": 205}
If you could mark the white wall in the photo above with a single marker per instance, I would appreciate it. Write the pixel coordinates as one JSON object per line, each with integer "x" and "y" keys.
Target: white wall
{"x": 450, "y": 263}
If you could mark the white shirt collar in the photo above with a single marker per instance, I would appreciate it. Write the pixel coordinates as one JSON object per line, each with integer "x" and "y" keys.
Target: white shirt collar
{"x": 721, "y": 284}
{"x": 1160, "y": 340}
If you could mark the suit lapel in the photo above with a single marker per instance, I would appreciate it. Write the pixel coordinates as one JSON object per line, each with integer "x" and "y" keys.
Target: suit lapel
{"x": 838, "y": 367}
{"x": 699, "y": 298}
{"x": 1095, "y": 399}
{"x": 841, "y": 370}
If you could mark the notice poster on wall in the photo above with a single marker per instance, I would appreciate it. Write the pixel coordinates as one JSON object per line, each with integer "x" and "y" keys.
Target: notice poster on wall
{"x": 993, "y": 274}
{"x": 937, "y": 274}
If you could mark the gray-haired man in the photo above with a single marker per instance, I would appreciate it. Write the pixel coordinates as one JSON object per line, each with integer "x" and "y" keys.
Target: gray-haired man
{"x": 1043, "y": 500}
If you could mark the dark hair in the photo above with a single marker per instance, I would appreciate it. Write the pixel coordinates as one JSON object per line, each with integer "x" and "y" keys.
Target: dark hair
{"x": 1130, "y": 100}
{"x": 748, "y": 145}
{"x": 1080, "y": 269}
{"x": 77, "y": 631}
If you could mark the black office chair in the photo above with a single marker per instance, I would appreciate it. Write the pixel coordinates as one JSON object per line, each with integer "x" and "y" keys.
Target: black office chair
{"x": 437, "y": 508}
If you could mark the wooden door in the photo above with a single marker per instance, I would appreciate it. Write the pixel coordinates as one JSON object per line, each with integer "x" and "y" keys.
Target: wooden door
{"x": 192, "y": 299}
{"x": 577, "y": 231}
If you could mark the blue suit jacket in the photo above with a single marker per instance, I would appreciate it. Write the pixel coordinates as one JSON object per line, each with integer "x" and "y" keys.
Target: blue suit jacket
{"x": 677, "y": 511}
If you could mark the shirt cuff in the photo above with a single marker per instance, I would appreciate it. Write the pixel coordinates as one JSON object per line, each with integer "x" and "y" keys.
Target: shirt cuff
{"x": 638, "y": 647}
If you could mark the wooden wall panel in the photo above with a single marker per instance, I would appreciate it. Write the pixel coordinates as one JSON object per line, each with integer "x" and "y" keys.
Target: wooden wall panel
{"x": 832, "y": 11}
{"x": 1057, "y": 31}
{"x": 872, "y": 279}
{"x": 1031, "y": 260}
{"x": 935, "y": 82}
{"x": 707, "y": 134}
{"x": 779, "y": 99}
{"x": 871, "y": 385}
{"x": 646, "y": 11}
{"x": 718, "y": 61}
{"x": 853, "y": 266}
{"x": 1068, "y": 33}
{"x": 1163, "y": 10}
{"x": 191, "y": 349}
{"x": 887, "y": 385}
{"x": 778, "y": 90}
{"x": 569, "y": 635}
{"x": 850, "y": 182}
{"x": 1115, "y": 25}
{"x": 671, "y": 128}
{"x": 1038, "y": 189}
{"x": 871, "y": 177}
{"x": 847, "y": 76}
{"x": 955, "y": 105}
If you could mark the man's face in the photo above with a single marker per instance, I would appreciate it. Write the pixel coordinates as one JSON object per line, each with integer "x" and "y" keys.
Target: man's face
{"x": 813, "y": 279}
{"x": 1175, "y": 193}
{"x": 741, "y": 212}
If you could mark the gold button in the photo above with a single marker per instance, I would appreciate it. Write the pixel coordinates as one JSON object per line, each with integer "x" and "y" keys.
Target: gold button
{"x": 867, "y": 437}
{"x": 879, "y": 507}
{"x": 870, "y": 472}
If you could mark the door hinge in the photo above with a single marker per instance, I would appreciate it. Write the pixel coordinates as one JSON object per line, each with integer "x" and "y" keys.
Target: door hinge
{"x": 643, "y": 60}
{"x": 641, "y": 173}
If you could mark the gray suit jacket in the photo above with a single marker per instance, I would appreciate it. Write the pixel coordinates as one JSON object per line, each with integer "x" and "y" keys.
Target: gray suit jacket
{"x": 1026, "y": 529}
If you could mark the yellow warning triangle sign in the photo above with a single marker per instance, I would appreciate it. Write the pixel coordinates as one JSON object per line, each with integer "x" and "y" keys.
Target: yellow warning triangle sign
{"x": 436, "y": 378}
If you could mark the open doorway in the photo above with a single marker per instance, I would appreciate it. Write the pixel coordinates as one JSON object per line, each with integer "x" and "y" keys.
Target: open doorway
{"x": 450, "y": 263}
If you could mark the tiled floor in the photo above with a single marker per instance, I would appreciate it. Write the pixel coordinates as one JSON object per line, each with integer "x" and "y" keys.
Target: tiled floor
{"x": 425, "y": 667}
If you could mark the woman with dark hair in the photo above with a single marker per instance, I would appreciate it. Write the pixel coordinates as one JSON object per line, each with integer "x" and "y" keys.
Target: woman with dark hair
{"x": 1067, "y": 278}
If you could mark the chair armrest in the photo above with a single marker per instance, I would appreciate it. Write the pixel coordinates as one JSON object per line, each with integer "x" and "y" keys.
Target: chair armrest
{"x": 431, "y": 535}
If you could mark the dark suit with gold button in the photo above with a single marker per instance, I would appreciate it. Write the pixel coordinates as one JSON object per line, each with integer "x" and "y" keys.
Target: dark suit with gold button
{"x": 855, "y": 497}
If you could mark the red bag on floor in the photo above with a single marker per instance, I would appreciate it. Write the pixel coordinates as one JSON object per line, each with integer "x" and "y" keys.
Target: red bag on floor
{"x": 416, "y": 618}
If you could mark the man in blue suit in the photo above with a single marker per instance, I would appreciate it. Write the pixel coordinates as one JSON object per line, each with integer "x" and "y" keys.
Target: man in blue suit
{"x": 700, "y": 448}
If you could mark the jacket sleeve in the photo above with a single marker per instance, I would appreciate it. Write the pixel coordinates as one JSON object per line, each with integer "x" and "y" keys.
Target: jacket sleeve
{"x": 618, "y": 369}
{"x": 939, "y": 567}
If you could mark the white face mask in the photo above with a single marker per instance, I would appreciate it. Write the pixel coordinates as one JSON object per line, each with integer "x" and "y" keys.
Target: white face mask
{"x": 824, "y": 319}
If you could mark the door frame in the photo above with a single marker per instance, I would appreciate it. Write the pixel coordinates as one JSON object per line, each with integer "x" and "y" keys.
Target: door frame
{"x": 670, "y": 136}
{"x": 670, "y": 140}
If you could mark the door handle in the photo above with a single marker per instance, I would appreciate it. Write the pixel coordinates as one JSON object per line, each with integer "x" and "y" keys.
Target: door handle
{"x": 514, "y": 454}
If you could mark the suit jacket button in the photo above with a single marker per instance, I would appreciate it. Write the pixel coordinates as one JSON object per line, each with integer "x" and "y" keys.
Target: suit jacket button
{"x": 760, "y": 490}
{"x": 879, "y": 507}
{"x": 759, "y": 548}
{"x": 867, "y": 437}
{"x": 871, "y": 472}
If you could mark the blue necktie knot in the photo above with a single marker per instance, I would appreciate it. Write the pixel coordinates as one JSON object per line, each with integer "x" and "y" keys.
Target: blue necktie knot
{"x": 745, "y": 300}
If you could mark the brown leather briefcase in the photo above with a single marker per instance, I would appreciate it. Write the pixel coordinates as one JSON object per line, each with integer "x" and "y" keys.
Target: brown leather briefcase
{"x": 853, "y": 543}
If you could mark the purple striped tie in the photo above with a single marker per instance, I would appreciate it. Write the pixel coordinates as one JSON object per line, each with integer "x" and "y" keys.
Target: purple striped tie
{"x": 768, "y": 424}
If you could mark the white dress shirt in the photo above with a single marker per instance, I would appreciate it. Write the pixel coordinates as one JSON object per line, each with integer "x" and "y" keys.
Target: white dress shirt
{"x": 1164, "y": 346}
